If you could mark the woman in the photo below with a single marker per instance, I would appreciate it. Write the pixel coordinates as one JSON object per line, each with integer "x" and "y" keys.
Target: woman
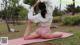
{"x": 44, "y": 20}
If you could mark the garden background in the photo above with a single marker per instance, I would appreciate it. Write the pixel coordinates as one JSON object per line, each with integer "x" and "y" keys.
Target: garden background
{"x": 13, "y": 19}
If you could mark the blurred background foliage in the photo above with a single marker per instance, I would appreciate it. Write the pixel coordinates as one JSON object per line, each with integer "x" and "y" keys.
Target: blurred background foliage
{"x": 13, "y": 12}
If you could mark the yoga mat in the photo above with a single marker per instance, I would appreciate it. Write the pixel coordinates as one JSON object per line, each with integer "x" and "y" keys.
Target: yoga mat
{"x": 21, "y": 41}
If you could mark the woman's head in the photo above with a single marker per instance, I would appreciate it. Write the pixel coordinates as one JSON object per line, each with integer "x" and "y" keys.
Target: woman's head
{"x": 42, "y": 7}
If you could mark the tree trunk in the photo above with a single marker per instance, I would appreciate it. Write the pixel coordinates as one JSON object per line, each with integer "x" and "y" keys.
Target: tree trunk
{"x": 7, "y": 25}
{"x": 60, "y": 6}
{"x": 73, "y": 13}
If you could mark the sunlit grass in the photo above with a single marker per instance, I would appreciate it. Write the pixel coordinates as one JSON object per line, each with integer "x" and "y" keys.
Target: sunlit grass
{"x": 74, "y": 40}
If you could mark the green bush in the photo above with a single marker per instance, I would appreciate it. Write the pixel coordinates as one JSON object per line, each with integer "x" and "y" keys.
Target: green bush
{"x": 57, "y": 19}
{"x": 57, "y": 12}
{"x": 71, "y": 20}
{"x": 30, "y": 2}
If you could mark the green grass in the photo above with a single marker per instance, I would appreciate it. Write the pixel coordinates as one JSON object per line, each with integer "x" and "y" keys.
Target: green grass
{"x": 20, "y": 28}
{"x": 74, "y": 40}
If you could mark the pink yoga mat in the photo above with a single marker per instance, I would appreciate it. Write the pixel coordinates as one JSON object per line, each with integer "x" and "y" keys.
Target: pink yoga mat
{"x": 21, "y": 41}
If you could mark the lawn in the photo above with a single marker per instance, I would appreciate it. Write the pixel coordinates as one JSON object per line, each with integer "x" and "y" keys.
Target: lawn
{"x": 12, "y": 35}
{"x": 74, "y": 40}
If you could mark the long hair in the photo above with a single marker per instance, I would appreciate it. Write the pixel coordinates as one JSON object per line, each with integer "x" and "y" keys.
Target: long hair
{"x": 42, "y": 7}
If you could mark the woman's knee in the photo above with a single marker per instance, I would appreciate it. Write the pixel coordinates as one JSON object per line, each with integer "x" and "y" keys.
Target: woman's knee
{"x": 46, "y": 36}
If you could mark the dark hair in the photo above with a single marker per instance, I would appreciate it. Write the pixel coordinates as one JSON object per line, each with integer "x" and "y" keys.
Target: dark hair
{"x": 42, "y": 7}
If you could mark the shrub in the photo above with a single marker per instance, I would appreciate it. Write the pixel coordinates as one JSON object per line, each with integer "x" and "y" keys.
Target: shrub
{"x": 57, "y": 19}
{"x": 30, "y": 2}
{"x": 71, "y": 20}
{"x": 57, "y": 12}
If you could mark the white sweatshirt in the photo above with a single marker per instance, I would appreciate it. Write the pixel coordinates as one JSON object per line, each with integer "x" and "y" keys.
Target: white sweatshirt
{"x": 38, "y": 18}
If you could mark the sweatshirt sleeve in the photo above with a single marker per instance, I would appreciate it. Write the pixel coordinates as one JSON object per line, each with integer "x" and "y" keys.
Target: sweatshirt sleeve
{"x": 33, "y": 18}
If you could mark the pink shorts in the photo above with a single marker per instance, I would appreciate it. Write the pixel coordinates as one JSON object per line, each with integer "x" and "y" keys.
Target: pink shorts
{"x": 42, "y": 30}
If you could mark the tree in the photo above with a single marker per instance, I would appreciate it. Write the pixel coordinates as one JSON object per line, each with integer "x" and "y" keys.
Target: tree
{"x": 22, "y": 12}
{"x": 73, "y": 13}
{"x": 5, "y": 14}
{"x": 69, "y": 8}
{"x": 12, "y": 11}
{"x": 57, "y": 12}
{"x": 72, "y": 10}
{"x": 60, "y": 5}
{"x": 16, "y": 11}
{"x": 77, "y": 9}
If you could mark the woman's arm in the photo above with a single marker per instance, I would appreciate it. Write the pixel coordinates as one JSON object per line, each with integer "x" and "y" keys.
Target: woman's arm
{"x": 33, "y": 18}
{"x": 36, "y": 3}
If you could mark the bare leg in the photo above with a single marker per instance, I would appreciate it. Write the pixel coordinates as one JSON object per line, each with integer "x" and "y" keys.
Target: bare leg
{"x": 50, "y": 36}
{"x": 28, "y": 28}
{"x": 31, "y": 36}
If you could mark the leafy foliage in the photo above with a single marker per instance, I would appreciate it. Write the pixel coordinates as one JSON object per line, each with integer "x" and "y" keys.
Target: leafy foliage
{"x": 22, "y": 13}
{"x": 13, "y": 11}
{"x": 77, "y": 9}
{"x": 30, "y": 2}
{"x": 57, "y": 19}
{"x": 71, "y": 20}
{"x": 57, "y": 12}
{"x": 71, "y": 9}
